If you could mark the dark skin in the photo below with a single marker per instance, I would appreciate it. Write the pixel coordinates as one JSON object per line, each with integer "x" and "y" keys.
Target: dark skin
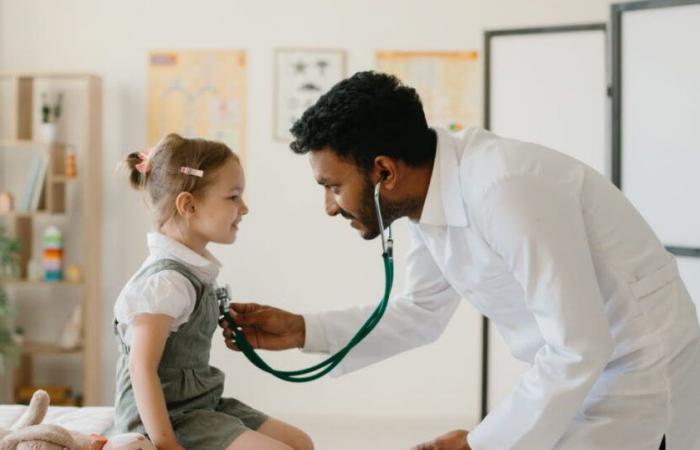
{"x": 348, "y": 191}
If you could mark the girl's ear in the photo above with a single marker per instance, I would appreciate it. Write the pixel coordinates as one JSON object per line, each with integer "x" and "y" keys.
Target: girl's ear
{"x": 185, "y": 204}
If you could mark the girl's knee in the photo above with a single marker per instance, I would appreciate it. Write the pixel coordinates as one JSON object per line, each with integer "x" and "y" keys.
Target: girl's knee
{"x": 295, "y": 438}
{"x": 251, "y": 440}
{"x": 303, "y": 442}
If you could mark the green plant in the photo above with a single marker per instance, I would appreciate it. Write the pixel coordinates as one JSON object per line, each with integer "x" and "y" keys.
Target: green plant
{"x": 48, "y": 110}
{"x": 8, "y": 342}
{"x": 9, "y": 254}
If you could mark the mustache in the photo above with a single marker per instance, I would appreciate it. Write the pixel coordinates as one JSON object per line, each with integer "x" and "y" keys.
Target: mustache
{"x": 346, "y": 215}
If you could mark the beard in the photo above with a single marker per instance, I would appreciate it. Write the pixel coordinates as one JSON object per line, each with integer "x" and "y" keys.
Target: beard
{"x": 391, "y": 210}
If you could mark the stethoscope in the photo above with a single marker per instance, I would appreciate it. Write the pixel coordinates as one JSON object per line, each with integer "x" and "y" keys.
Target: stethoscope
{"x": 322, "y": 368}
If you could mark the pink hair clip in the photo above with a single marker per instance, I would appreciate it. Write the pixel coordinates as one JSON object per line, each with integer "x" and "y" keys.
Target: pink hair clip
{"x": 191, "y": 171}
{"x": 145, "y": 165}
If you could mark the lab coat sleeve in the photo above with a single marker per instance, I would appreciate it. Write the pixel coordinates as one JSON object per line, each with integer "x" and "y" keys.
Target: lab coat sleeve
{"x": 537, "y": 226}
{"x": 414, "y": 318}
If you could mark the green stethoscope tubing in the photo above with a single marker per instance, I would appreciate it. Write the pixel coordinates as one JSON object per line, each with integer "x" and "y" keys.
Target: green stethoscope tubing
{"x": 317, "y": 371}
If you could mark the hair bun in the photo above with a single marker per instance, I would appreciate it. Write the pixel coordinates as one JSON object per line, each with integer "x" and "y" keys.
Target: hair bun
{"x": 136, "y": 178}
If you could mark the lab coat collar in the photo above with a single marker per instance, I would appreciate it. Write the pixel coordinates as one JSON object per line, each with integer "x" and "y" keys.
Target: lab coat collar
{"x": 443, "y": 202}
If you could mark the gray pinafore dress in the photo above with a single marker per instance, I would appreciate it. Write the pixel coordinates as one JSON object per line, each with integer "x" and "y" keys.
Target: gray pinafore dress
{"x": 201, "y": 419}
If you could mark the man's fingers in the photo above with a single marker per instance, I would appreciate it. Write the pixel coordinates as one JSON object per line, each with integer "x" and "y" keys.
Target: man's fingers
{"x": 251, "y": 319}
{"x": 245, "y": 308}
{"x": 425, "y": 446}
{"x": 250, "y": 334}
{"x": 232, "y": 345}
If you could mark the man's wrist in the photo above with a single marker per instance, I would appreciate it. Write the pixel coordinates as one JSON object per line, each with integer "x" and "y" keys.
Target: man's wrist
{"x": 301, "y": 331}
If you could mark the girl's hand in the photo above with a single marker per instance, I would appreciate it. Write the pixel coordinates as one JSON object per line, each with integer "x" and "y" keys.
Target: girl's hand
{"x": 170, "y": 446}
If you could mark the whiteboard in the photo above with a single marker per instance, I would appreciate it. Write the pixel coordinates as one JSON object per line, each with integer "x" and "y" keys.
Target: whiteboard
{"x": 659, "y": 117}
{"x": 548, "y": 86}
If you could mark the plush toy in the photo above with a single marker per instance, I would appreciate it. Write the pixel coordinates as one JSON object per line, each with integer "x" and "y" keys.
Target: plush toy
{"x": 28, "y": 433}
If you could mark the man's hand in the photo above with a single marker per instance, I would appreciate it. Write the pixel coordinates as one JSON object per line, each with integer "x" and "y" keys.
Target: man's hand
{"x": 454, "y": 440}
{"x": 265, "y": 327}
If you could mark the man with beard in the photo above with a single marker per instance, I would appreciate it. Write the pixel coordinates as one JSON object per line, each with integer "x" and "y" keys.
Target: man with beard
{"x": 549, "y": 250}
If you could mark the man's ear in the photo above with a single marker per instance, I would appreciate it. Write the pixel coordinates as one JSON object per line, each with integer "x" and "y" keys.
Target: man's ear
{"x": 386, "y": 170}
{"x": 185, "y": 204}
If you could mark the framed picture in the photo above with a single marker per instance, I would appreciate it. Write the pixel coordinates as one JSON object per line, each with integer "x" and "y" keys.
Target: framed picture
{"x": 301, "y": 77}
{"x": 198, "y": 93}
{"x": 445, "y": 80}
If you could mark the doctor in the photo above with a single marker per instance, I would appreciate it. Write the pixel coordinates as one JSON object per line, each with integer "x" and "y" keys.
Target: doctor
{"x": 545, "y": 247}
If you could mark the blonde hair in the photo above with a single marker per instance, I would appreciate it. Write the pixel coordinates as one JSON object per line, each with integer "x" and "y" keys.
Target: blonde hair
{"x": 164, "y": 181}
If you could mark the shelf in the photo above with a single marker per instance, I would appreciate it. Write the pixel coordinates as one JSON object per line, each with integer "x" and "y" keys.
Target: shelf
{"x": 62, "y": 179}
{"x": 34, "y": 348}
{"x": 27, "y": 283}
{"x": 28, "y": 214}
{"x": 63, "y": 200}
{"x": 48, "y": 75}
{"x": 26, "y": 143}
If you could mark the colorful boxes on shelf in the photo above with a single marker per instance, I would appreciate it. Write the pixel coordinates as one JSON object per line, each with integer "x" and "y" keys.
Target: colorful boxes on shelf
{"x": 53, "y": 254}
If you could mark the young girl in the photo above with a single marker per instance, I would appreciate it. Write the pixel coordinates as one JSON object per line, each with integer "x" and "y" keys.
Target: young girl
{"x": 167, "y": 313}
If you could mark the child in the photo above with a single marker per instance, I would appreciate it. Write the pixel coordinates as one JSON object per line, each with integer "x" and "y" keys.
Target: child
{"x": 167, "y": 313}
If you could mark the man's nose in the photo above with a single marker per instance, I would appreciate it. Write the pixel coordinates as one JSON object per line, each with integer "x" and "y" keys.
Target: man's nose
{"x": 332, "y": 208}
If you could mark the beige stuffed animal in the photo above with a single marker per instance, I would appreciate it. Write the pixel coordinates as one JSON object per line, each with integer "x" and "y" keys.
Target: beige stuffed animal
{"x": 28, "y": 433}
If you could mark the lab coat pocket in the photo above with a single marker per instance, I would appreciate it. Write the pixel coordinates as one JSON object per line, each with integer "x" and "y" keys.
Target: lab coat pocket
{"x": 667, "y": 306}
{"x": 656, "y": 293}
{"x": 653, "y": 282}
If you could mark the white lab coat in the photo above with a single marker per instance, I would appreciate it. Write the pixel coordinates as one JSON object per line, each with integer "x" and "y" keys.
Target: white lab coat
{"x": 574, "y": 280}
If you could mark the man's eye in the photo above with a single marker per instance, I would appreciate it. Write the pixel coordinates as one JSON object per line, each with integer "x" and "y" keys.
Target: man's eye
{"x": 233, "y": 197}
{"x": 333, "y": 189}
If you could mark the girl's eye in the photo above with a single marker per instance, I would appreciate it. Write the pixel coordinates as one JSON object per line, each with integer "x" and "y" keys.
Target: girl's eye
{"x": 233, "y": 197}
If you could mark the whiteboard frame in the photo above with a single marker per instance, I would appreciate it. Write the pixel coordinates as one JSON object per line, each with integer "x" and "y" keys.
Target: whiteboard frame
{"x": 616, "y": 32}
{"x": 488, "y": 36}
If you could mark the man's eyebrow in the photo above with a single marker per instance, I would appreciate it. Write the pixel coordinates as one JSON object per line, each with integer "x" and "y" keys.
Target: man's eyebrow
{"x": 323, "y": 181}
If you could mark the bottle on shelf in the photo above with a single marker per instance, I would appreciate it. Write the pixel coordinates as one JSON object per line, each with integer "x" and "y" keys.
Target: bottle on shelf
{"x": 53, "y": 254}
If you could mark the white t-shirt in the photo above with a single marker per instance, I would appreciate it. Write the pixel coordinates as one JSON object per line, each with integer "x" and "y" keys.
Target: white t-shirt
{"x": 167, "y": 292}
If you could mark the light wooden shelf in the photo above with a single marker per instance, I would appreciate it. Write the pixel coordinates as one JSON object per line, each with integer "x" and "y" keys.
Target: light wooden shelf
{"x": 25, "y": 143}
{"x": 48, "y": 75}
{"x": 30, "y": 214}
{"x": 35, "y": 348}
{"x": 62, "y": 179}
{"x": 82, "y": 115}
{"x": 27, "y": 283}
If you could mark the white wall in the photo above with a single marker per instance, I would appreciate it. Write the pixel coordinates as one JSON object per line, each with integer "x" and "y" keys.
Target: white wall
{"x": 288, "y": 253}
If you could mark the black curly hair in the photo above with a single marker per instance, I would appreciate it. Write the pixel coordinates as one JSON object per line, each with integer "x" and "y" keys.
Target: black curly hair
{"x": 364, "y": 116}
